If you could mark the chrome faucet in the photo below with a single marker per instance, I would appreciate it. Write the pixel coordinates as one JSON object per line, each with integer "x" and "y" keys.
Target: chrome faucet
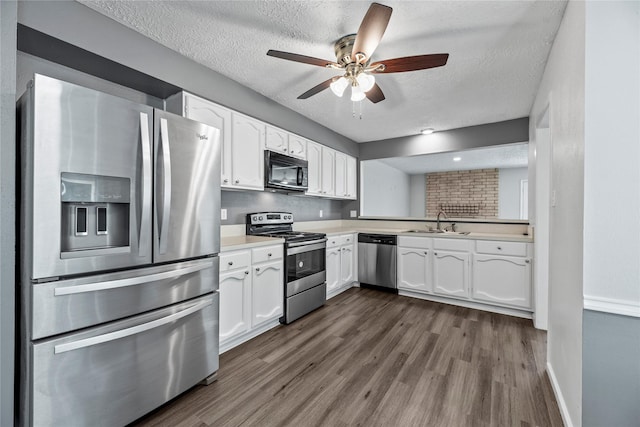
{"x": 438, "y": 219}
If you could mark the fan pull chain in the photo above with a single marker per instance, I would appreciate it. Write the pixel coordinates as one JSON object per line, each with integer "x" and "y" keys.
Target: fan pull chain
{"x": 353, "y": 109}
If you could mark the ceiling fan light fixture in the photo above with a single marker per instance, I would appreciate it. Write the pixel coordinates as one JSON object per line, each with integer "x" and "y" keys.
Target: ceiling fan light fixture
{"x": 338, "y": 87}
{"x": 366, "y": 81}
{"x": 357, "y": 94}
{"x": 427, "y": 131}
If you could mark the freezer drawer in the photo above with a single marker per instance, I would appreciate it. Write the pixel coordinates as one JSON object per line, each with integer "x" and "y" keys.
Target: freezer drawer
{"x": 114, "y": 374}
{"x": 68, "y": 305}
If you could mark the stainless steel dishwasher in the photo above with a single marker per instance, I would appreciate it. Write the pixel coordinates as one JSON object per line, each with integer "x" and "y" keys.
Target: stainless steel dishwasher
{"x": 377, "y": 261}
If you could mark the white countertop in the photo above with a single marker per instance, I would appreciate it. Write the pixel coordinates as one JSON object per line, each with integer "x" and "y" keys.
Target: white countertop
{"x": 473, "y": 235}
{"x": 232, "y": 243}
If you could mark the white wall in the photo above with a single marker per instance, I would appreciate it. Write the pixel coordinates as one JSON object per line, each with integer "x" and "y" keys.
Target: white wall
{"x": 417, "y": 196}
{"x": 509, "y": 191}
{"x": 386, "y": 192}
{"x": 562, "y": 88}
{"x": 612, "y": 158}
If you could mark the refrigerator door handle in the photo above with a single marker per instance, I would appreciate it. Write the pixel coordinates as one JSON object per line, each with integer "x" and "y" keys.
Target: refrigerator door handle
{"x": 144, "y": 239}
{"x": 166, "y": 184}
{"x": 111, "y": 336}
{"x": 121, "y": 283}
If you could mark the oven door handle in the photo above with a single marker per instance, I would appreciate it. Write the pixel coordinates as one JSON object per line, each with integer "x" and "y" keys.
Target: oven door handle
{"x": 306, "y": 246}
{"x": 307, "y": 242}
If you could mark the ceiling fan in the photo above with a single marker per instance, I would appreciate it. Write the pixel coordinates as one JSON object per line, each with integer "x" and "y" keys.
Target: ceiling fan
{"x": 353, "y": 55}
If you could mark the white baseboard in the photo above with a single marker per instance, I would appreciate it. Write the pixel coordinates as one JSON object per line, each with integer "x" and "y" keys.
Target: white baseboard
{"x": 612, "y": 305}
{"x": 564, "y": 411}
{"x": 236, "y": 341}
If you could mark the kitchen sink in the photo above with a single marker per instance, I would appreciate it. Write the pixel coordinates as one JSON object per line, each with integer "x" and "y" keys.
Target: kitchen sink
{"x": 462, "y": 233}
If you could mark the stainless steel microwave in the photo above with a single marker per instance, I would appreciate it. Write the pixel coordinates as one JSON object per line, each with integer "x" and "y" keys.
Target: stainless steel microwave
{"x": 285, "y": 173}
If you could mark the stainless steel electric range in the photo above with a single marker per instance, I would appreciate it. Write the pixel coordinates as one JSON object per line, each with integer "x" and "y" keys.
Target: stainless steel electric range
{"x": 305, "y": 286}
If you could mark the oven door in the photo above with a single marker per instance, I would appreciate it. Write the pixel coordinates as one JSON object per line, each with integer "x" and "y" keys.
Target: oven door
{"x": 285, "y": 172}
{"x": 305, "y": 265}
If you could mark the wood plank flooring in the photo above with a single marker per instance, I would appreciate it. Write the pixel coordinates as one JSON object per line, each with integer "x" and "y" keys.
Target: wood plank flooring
{"x": 370, "y": 358}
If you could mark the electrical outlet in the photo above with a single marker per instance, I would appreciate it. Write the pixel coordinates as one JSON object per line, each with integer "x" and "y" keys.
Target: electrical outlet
{"x": 553, "y": 198}
{"x": 223, "y": 214}
{"x": 320, "y": 213}
{"x": 353, "y": 214}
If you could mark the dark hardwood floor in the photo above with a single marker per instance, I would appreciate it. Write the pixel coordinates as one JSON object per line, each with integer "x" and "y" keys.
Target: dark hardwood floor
{"x": 375, "y": 359}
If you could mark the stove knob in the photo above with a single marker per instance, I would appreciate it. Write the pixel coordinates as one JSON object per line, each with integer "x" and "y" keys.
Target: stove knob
{"x": 255, "y": 218}
{"x": 260, "y": 218}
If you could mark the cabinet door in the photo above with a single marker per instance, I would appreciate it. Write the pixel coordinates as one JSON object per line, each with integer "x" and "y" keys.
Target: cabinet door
{"x": 314, "y": 157}
{"x": 297, "y": 147}
{"x": 248, "y": 153}
{"x": 333, "y": 269}
{"x": 268, "y": 292}
{"x": 277, "y": 140}
{"x": 352, "y": 178}
{"x": 347, "y": 263}
{"x": 328, "y": 171}
{"x": 235, "y": 292}
{"x": 341, "y": 175}
{"x": 413, "y": 269}
{"x": 219, "y": 117}
{"x": 503, "y": 280}
{"x": 451, "y": 273}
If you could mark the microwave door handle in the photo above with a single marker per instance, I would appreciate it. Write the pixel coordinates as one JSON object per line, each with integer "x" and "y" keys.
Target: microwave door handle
{"x": 166, "y": 185}
{"x": 300, "y": 176}
{"x": 123, "y": 333}
{"x": 144, "y": 238}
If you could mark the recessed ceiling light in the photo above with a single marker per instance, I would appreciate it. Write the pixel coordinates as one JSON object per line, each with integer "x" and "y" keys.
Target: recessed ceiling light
{"x": 427, "y": 131}
{"x": 457, "y": 159}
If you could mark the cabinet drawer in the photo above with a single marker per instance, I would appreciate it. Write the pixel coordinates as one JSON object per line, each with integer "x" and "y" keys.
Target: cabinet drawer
{"x": 233, "y": 260}
{"x": 268, "y": 253}
{"x": 452, "y": 244}
{"x": 501, "y": 248}
{"x": 414, "y": 242}
{"x": 345, "y": 239}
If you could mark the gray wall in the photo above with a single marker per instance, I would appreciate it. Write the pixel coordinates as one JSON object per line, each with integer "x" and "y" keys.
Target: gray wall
{"x": 80, "y": 26}
{"x": 418, "y": 196}
{"x": 8, "y": 24}
{"x": 303, "y": 208}
{"x": 499, "y": 133}
{"x": 610, "y": 370}
{"x": 387, "y": 190}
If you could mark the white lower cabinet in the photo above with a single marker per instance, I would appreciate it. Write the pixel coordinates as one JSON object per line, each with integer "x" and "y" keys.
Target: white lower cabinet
{"x": 487, "y": 273}
{"x": 503, "y": 280}
{"x": 341, "y": 263}
{"x": 414, "y": 272}
{"x": 251, "y": 293}
{"x": 267, "y": 296}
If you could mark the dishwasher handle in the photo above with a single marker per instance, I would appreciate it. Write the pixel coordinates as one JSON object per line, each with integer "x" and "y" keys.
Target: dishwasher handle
{"x": 378, "y": 239}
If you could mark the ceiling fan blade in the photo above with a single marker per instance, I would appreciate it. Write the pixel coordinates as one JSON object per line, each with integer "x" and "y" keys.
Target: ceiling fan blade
{"x": 317, "y": 89}
{"x": 375, "y": 94}
{"x": 371, "y": 30}
{"x": 300, "y": 58}
{"x": 410, "y": 63}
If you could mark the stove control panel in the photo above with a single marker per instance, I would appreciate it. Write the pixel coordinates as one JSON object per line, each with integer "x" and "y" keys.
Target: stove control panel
{"x": 261, "y": 218}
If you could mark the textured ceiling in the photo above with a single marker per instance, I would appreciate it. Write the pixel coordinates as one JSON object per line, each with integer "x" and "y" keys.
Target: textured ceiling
{"x": 504, "y": 156}
{"x": 498, "y": 50}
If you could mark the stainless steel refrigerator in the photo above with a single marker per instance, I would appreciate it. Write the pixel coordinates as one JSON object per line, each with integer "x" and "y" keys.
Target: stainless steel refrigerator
{"x": 119, "y": 224}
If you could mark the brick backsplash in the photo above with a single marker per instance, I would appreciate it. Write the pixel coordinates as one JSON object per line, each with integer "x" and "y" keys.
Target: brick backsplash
{"x": 463, "y": 194}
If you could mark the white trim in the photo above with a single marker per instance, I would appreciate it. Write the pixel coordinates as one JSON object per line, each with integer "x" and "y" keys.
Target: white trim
{"x": 612, "y": 305}
{"x": 562, "y": 405}
{"x": 252, "y": 333}
{"x": 467, "y": 304}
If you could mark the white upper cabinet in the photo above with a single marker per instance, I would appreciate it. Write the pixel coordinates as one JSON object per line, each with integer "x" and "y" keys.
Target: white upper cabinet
{"x": 286, "y": 143}
{"x": 314, "y": 157}
{"x": 247, "y": 168}
{"x": 352, "y": 178}
{"x": 341, "y": 175}
{"x": 328, "y": 172}
{"x": 297, "y": 146}
{"x": 277, "y": 140}
{"x": 207, "y": 112}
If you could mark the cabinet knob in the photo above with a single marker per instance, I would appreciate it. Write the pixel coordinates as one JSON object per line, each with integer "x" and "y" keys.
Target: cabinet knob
{"x": 527, "y": 261}
{"x": 435, "y": 253}
{"x": 333, "y": 242}
{"x": 292, "y": 151}
{"x": 225, "y": 181}
{"x": 257, "y": 268}
{"x": 237, "y": 181}
{"x": 499, "y": 248}
{"x": 426, "y": 253}
{"x": 246, "y": 272}
{"x": 230, "y": 262}
{"x": 269, "y": 254}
